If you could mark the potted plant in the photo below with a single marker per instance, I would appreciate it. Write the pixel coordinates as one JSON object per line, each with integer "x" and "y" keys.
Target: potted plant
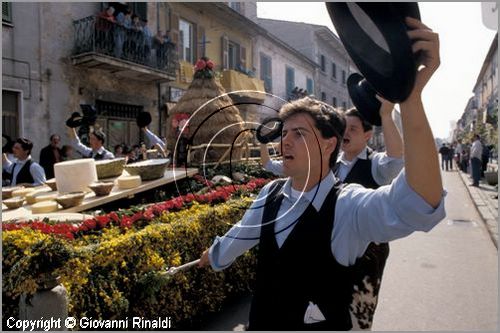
{"x": 491, "y": 176}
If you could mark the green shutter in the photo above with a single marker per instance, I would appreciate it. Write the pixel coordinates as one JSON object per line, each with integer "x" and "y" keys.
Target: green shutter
{"x": 6, "y": 12}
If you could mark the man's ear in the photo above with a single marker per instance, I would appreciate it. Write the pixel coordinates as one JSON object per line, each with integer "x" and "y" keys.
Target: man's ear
{"x": 331, "y": 144}
{"x": 368, "y": 135}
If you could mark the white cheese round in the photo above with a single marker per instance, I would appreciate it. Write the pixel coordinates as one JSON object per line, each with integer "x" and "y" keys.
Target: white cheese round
{"x": 44, "y": 207}
{"x": 126, "y": 182}
{"x": 75, "y": 175}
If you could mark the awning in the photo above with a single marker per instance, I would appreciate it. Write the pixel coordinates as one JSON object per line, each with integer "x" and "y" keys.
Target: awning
{"x": 232, "y": 80}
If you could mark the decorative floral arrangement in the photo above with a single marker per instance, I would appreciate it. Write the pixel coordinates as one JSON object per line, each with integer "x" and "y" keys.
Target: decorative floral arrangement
{"x": 204, "y": 68}
{"x": 128, "y": 218}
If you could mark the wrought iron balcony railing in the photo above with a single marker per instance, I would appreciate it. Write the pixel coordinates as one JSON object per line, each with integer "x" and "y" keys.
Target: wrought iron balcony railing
{"x": 98, "y": 35}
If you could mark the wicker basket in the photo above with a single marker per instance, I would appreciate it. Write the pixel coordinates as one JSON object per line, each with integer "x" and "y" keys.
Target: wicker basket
{"x": 52, "y": 184}
{"x": 109, "y": 168}
{"x": 102, "y": 188}
{"x": 150, "y": 169}
{"x": 14, "y": 202}
{"x": 7, "y": 191}
{"x": 71, "y": 199}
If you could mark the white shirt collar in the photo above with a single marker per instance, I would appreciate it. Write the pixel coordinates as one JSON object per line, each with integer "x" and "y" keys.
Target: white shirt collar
{"x": 363, "y": 154}
{"x": 318, "y": 194}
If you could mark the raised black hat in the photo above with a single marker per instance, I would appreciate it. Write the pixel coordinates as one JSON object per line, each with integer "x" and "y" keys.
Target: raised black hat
{"x": 269, "y": 130}
{"x": 89, "y": 114}
{"x": 375, "y": 37}
{"x": 75, "y": 120}
{"x": 143, "y": 119}
{"x": 363, "y": 97}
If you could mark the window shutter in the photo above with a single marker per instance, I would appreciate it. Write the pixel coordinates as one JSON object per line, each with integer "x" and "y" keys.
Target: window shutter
{"x": 243, "y": 57}
{"x": 174, "y": 29}
{"x": 201, "y": 42}
{"x": 6, "y": 12}
{"x": 225, "y": 54}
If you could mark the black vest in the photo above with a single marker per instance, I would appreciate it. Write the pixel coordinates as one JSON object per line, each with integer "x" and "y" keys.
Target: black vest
{"x": 361, "y": 172}
{"x": 368, "y": 269}
{"x": 24, "y": 175}
{"x": 303, "y": 270}
{"x": 97, "y": 156}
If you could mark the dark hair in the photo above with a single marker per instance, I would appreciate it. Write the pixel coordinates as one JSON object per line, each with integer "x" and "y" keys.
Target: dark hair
{"x": 54, "y": 135}
{"x": 65, "y": 150}
{"x": 99, "y": 135}
{"x": 25, "y": 144}
{"x": 329, "y": 121}
{"x": 355, "y": 113}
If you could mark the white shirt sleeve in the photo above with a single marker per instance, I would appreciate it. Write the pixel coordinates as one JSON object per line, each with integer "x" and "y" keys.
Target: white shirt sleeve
{"x": 153, "y": 139}
{"x": 274, "y": 166}
{"x": 37, "y": 173}
{"x": 81, "y": 148}
{"x": 241, "y": 237}
{"x": 390, "y": 212}
{"x": 385, "y": 168}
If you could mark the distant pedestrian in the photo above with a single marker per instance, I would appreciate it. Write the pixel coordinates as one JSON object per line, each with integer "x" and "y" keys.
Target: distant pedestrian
{"x": 485, "y": 158}
{"x": 476, "y": 153}
{"x": 445, "y": 152}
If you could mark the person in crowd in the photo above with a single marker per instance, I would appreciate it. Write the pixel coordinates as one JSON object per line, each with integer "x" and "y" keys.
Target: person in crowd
{"x": 123, "y": 23}
{"x": 50, "y": 155}
{"x": 464, "y": 161}
{"x": 485, "y": 159}
{"x": 24, "y": 171}
{"x": 104, "y": 25}
{"x": 148, "y": 40}
{"x": 96, "y": 150}
{"x": 445, "y": 152}
{"x": 476, "y": 153}
{"x": 271, "y": 165}
{"x": 119, "y": 151}
{"x": 311, "y": 229}
{"x": 67, "y": 152}
{"x": 159, "y": 44}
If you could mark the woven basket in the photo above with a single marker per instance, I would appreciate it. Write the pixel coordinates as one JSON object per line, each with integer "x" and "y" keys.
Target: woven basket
{"x": 52, "y": 184}
{"x": 14, "y": 202}
{"x": 102, "y": 188}
{"x": 71, "y": 199}
{"x": 7, "y": 191}
{"x": 150, "y": 169}
{"x": 109, "y": 168}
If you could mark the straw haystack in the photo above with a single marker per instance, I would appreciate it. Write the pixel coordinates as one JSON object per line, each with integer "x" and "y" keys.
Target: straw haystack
{"x": 201, "y": 130}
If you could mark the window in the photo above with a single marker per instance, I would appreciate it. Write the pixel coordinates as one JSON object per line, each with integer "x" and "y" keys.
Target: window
{"x": 344, "y": 106}
{"x": 310, "y": 86}
{"x": 234, "y": 55}
{"x": 334, "y": 102}
{"x": 343, "y": 76}
{"x": 323, "y": 63}
{"x": 290, "y": 81}
{"x": 140, "y": 9}
{"x": 186, "y": 41}
{"x": 118, "y": 122}
{"x": 10, "y": 113}
{"x": 334, "y": 70}
{"x": 323, "y": 96}
{"x": 266, "y": 72}
{"x": 236, "y": 6}
{"x": 7, "y": 12}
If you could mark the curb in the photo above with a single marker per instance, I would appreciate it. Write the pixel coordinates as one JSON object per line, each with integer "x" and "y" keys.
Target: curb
{"x": 481, "y": 213}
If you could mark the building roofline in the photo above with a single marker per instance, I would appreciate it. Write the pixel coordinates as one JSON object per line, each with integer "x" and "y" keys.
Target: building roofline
{"x": 489, "y": 55}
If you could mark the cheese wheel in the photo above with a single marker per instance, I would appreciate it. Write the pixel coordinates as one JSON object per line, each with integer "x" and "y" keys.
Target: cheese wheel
{"x": 126, "y": 182}
{"x": 30, "y": 197}
{"x": 44, "y": 207}
{"x": 45, "y": 196}
{"x": 75, "y": 175}
{"x": 23, "y": 192}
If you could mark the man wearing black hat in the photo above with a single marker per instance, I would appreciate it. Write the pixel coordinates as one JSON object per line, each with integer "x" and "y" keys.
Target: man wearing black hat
{"x": 96, "y": 150}
{"x": 24, "y": 171}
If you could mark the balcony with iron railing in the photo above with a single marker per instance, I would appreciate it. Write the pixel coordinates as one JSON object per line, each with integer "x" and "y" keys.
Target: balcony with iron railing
{"x": 128, "y": 53}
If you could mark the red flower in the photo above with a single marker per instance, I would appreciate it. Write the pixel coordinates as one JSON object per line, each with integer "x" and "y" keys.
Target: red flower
{"x": 210, "y": 64}
{"x": 200, "y": 64}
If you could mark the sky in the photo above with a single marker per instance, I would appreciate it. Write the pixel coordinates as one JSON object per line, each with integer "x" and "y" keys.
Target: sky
{"x": 464, "y": 43}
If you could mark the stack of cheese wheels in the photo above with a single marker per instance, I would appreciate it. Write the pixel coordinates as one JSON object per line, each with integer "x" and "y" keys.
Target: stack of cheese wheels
{"x": 126, "y": 182}
{"x": 30, "y": 197}
{"x": 75, "y": 175}
{"x": 23, "y": 192}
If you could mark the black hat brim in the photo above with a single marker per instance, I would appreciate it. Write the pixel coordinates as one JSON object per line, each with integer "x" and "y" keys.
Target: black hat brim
{"x": 143, "y": 119}
{"x": 391, "y": 70}
{"x": 363, "y": 98}
{"x": 75, "y": 120}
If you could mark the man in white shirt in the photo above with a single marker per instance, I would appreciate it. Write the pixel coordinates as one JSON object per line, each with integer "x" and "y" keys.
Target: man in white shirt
{"x": 476, "y": 152}
{"x": 96, "y": 150}
{"x": 311, "y": 230}
{"x": 24, "y": 171}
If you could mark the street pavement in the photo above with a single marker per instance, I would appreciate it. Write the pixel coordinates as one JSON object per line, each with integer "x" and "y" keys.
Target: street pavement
{"x": 446, "y": 279}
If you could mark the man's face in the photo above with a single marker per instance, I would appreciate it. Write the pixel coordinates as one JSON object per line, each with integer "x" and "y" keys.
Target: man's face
{"x": 54, "y": 142}
{"x": 355, "y": 138}
{"x": 95, "y": 143}
{"x": 19, "y": 152}
{"x": 303, "y": 147}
